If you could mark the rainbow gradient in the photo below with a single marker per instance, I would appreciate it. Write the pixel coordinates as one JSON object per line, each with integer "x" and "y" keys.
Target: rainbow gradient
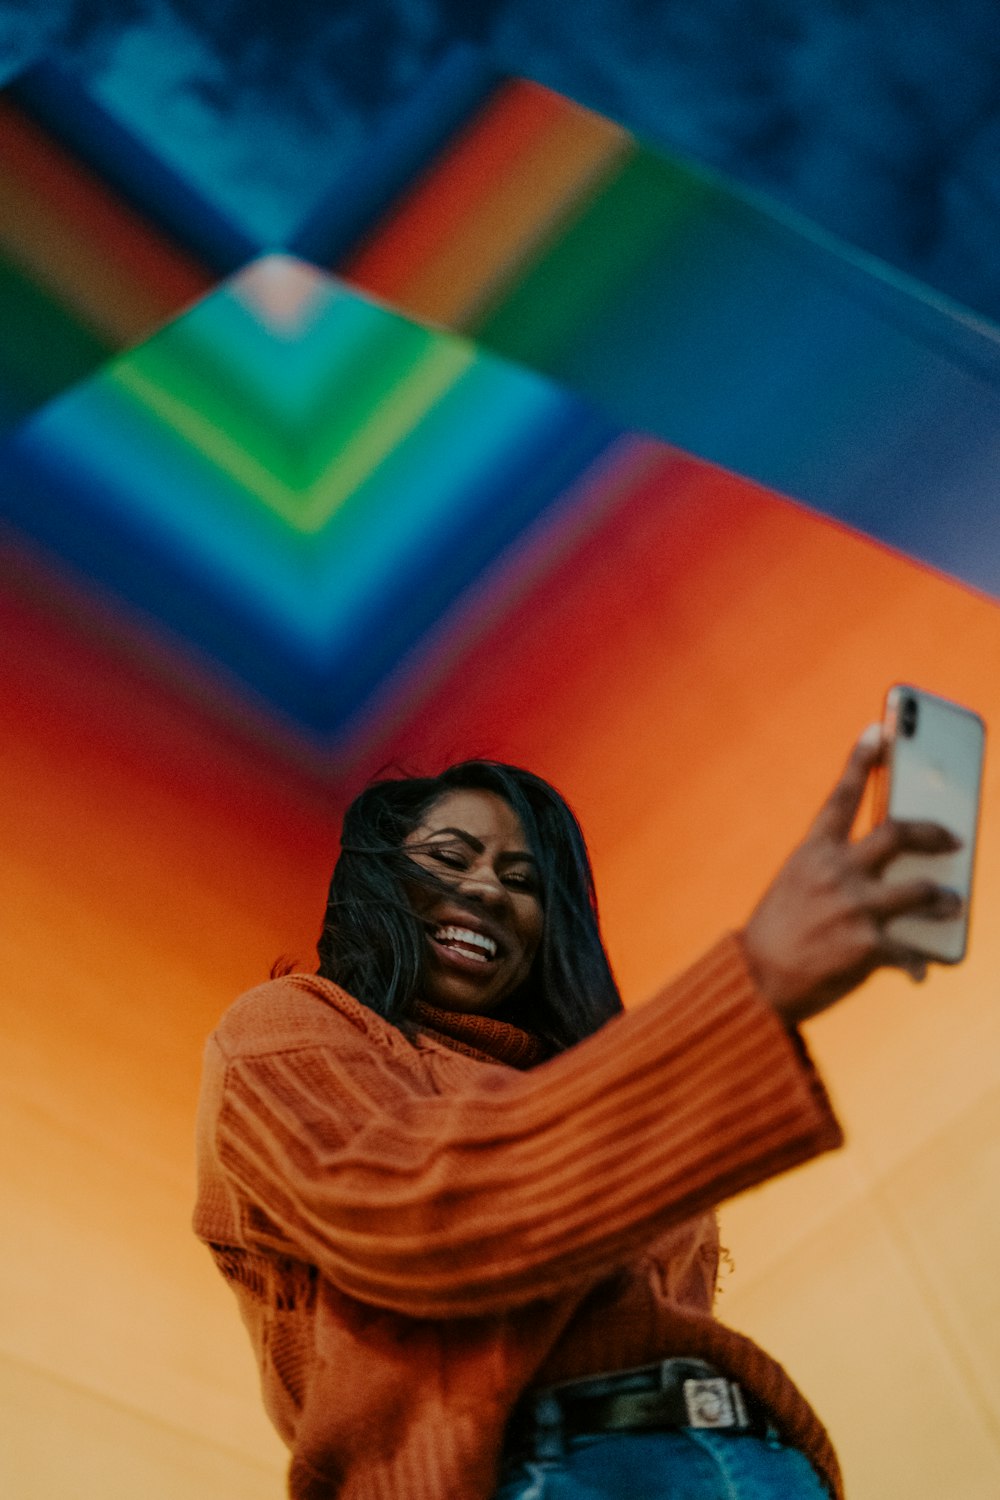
{"x": 401, "y": 487}
{"x": 297, "y": 480}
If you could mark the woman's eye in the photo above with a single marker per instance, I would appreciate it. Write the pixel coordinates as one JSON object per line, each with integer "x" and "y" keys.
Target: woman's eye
{"x": 521, "y": 880}
{"x": 448, "y": 857}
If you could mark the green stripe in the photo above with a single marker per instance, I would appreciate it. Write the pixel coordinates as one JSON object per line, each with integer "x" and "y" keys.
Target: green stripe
{"x": 43, "y": 349}
{"x": 637, "y": 209}
{"x": 404, "y": 405}
{"x": 180, "y": 376}
{"x": 406, "y": 378}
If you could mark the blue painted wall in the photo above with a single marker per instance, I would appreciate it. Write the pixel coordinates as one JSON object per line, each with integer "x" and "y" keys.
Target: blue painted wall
{"x": 880, "y": 121}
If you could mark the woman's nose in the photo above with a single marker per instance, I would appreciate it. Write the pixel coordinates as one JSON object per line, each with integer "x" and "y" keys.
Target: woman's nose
{"x": 482, "y": 885}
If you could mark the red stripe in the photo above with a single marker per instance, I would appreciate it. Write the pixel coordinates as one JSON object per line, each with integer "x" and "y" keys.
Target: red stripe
{"x": 164, "y": 277}
{"x": 513, "y": 120}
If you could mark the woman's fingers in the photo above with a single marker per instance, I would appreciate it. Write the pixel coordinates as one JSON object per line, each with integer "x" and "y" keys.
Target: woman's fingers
{"x": 820, "y": 928}
{"x": 876, "y": 849}
{"x": 912, "y": 963}
{"x": 922, "y": 898}
{"x": 835, "y": 818}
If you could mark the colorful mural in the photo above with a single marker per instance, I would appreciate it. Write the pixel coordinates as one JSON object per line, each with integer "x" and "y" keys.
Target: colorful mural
{"x": 555, "y": 238}
{"x": 275, "y": 515}
{"x": 297, "y": 481}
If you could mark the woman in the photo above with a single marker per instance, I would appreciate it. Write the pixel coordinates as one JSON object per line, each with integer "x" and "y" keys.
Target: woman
{"x": 465, "y": 1205}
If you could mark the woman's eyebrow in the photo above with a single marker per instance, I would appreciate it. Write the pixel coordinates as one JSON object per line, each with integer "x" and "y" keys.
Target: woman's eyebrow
{"x": 460, "y": 833}
{"x": 479, "y": 846}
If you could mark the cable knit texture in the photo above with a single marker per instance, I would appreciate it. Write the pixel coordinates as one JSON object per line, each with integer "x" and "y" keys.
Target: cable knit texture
{"x": 482, "y": 1036}
{"x": 419, "y": 1230}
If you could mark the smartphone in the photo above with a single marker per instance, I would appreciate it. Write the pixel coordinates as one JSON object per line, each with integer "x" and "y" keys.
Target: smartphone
{"x": 932, "y": 771}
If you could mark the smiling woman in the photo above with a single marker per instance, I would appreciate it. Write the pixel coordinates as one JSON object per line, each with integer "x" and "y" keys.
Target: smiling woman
{"x": 492, "y": 850}
{"x": 470, "y": 1237}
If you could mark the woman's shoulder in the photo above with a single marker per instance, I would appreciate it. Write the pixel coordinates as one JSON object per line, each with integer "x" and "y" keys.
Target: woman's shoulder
{"x": 300, "y": 1011}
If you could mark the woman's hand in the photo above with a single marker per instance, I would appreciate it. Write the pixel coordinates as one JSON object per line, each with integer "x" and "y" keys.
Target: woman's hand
{"x": 819, "y": 929}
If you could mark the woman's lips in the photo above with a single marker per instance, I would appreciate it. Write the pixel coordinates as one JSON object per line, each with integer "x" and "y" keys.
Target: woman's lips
{"x": 465, "y": 949}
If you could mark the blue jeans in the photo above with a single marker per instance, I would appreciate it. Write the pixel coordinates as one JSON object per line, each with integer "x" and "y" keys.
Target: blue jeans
{"x": 690, "y": 1464}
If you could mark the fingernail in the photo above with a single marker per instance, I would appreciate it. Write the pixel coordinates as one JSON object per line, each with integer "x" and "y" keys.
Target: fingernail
{"x": 948, "y": 904}
{"x": 870, "y": 738}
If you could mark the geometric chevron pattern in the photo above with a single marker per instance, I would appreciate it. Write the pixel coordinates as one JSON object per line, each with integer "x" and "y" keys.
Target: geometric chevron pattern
{"x": 494, "y": 207}
{"x": 685, "y": 308}
{"x": 297, "y": 480}
{"x": 87, "y": 264}
{"x": 298, "y": 483}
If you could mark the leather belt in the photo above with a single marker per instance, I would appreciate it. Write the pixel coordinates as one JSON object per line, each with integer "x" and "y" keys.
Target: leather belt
{"x": 673, "y": 1394}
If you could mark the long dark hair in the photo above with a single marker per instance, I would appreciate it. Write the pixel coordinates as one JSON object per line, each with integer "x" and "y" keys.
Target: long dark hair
{"x": 372, "y": 942}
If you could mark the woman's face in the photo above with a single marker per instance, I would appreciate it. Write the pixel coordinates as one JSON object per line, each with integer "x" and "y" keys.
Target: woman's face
{"x": 479, "y": 951}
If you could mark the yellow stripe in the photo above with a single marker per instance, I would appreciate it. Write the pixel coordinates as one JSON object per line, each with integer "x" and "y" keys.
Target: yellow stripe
{"x": 210, "y": 441}
{"x": 310, "y": 508}
{"x": 396, "y": 415}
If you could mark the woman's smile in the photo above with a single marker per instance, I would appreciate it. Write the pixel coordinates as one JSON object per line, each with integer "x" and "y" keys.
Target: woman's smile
{"x": 465, "y": 944}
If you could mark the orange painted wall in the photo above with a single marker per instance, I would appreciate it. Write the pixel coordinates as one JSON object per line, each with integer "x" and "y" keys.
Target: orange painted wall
{"x": 692, "y": 680}
{"x": 151, "y": 868}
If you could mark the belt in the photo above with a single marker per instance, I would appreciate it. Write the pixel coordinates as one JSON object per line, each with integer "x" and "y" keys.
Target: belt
{"x": 672, "y": 1394}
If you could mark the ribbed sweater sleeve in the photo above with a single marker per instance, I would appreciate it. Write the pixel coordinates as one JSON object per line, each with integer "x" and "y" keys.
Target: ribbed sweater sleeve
{"x": 513, "y": 1186}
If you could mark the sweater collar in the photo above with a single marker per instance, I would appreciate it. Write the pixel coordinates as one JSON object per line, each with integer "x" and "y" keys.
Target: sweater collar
{"x": 483, "y": 1037}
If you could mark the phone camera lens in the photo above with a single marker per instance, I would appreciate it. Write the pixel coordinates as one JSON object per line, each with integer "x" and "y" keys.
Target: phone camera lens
{"x": 908, "y": 718}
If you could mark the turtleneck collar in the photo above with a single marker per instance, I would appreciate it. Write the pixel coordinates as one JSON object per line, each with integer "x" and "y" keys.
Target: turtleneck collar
{"x": 484, "y": 1037}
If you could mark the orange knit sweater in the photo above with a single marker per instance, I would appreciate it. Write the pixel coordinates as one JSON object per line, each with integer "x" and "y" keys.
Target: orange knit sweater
{"x": 416, "y": 1232}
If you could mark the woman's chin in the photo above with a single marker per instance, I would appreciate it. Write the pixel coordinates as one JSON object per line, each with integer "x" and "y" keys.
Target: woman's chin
{"x": 460, "y": 981}
{"x": 456, "y": 996}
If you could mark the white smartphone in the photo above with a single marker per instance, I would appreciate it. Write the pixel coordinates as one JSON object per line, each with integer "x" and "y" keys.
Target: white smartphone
{"x": 932, "y": 772}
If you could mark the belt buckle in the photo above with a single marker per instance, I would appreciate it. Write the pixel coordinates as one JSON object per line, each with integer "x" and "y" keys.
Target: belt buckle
{"x": 713, "y": 1402}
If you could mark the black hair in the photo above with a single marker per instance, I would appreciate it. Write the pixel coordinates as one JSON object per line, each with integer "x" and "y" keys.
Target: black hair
{"x": 372, "y": 942}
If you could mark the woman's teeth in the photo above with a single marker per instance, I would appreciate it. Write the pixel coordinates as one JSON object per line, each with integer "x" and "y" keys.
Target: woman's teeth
{"x": 474, "y": 944}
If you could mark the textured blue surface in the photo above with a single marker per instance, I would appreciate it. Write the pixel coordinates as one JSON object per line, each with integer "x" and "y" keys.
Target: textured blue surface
{"x": 140, "y": 174}
{"x": 879, "y": 121}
